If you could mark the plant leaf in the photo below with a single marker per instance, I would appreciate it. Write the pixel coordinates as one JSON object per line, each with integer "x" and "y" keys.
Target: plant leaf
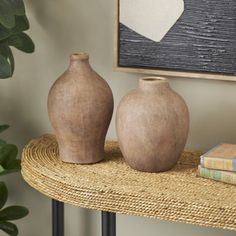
{"x": 9, "y": 228}
{"x": 4, "y": 32}
{"x": 22, "y": 24}
{"x": 22, "y": 42}
{"x": 3, "y": 194}
{"x": 6, "y": 52}
{"x": 1, "y": 169}
{"x": 8, "y": 154}
{"x": 5, "y": 68}
{"x": 12, "y": 61}
{"x": 15, "y": 165}
{"x": 18, "y": 7}
{"x": 13, "y": 213}
{"x": 3, "y": 128}
{"x": 7, "y": 17}
{"x": 2, "y": 142}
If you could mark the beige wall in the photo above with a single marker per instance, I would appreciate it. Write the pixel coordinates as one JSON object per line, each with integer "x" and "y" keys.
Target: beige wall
{"x": 58, "y": 28}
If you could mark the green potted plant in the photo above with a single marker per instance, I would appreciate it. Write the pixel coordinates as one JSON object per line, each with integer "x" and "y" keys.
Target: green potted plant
{"x": 13, "y": 23}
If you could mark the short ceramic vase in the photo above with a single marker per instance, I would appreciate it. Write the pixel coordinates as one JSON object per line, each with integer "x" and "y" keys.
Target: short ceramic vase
{"x": 152, "y": 124}
{"x": 80, "y": 106}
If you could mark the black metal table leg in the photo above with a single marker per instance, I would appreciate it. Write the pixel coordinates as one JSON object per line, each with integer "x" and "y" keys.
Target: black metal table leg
{"x": 57, "y": 218}
{"x": 108, "y": 223}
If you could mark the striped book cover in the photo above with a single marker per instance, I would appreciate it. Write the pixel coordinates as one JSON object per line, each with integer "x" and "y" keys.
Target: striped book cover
{"x": 218, "y": 175}
{"x": 221, "y": 157}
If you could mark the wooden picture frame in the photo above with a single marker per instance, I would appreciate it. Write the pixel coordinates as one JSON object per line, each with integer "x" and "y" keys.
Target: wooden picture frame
{"x": 159, "y": 71}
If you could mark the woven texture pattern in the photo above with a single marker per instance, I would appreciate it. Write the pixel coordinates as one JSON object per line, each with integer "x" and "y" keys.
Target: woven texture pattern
{"x": 111, "y": 185}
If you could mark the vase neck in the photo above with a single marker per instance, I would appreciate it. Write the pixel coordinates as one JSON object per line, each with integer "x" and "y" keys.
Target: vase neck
{"x": 79, "y": 61}
{"x": 153, "y": 84}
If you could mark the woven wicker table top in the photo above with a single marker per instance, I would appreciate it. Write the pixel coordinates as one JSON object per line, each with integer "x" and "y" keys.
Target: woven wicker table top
{"x": 177, "y": 195}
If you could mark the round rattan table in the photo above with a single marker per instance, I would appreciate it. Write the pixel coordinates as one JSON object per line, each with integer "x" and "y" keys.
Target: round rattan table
{"x": 113, "y": 187}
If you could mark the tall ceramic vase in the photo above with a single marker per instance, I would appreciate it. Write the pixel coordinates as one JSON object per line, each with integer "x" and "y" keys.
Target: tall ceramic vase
{"x": 152, "y": 125}
{"x": 80, "y": 106}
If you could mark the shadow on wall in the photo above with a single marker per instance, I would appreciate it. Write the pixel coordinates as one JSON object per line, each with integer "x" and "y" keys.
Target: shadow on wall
{"x": 17, "y": 116}
{"x": 70, "y": 24}
{"x": 140, "y": 226}
{"x": 219, "y": 129}
{"x": 82, "y": 224}
{"x": 21, "y": 132}
{"x": 212, "y": 111}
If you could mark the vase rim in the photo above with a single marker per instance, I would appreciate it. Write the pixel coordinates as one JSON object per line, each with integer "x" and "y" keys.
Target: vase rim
{"x": 153, "y": 83}
{"x": 79, "y": 56}
{"x": 153, "y": 79}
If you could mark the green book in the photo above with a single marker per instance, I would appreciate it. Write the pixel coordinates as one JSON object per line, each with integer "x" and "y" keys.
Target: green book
{"x": 218, "y": 175}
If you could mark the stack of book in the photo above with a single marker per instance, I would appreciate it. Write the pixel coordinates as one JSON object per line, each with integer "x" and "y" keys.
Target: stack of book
{"x": 219, "y": 164}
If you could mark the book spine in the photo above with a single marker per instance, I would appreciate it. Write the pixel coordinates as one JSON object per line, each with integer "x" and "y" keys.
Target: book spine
{"x": 218, "y": 175}
{"x": 218, "y": 163}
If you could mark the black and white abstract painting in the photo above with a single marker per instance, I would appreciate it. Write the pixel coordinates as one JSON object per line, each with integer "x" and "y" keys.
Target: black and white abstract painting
{"x": 181, "y": 35}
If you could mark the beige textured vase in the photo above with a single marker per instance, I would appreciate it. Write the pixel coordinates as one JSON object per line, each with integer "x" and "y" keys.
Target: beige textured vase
{"x": 80, "y": 106}
{"x": 152, "y": 125}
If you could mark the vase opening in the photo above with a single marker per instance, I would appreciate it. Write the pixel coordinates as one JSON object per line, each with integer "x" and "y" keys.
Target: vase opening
{"x": 79, "y": 56}
{"x": 153, "y": 83}
{"x": 154, "y": 79}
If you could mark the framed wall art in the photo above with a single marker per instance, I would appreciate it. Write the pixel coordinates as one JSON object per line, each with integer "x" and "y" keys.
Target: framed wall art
{"x": 181, "y": 38}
